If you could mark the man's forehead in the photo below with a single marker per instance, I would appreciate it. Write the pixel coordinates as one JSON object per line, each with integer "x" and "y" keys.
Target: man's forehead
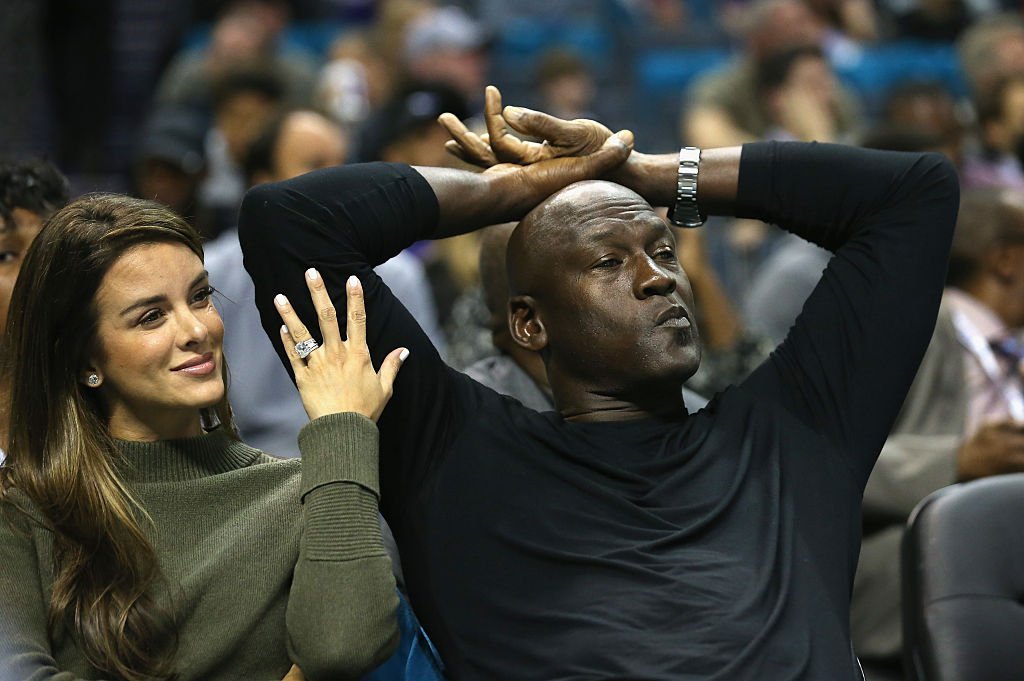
{"x": 584, "y": 207}
{"x": 584, "y": 193}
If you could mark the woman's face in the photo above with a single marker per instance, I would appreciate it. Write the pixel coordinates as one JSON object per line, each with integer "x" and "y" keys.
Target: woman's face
{"x": 158, "y": 343}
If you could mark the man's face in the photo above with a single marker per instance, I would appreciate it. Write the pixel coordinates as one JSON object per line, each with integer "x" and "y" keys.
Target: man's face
{"x": 1013, "y": 110}
{"x": 170, "y": 185}
{"x": 14, "y": 241}
{"x": 788, "y": 24}
{"x": 241, "y": 118}
{"x": 307, "y": 142}
{"x": 614, "y": 300}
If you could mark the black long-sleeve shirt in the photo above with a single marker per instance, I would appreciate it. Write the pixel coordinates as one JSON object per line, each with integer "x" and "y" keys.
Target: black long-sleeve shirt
{"x": 720, "y": 545}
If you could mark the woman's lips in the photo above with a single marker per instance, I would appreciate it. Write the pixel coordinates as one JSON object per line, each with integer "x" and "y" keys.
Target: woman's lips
{"x": 200, "y": 366}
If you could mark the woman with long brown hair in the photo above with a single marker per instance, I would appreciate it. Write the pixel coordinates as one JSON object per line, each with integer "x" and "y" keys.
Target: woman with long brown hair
{"x": 140, "y": 540}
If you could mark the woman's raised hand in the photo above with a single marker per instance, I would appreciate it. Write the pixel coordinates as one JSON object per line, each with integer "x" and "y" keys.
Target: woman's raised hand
{"x": 337, "y": 376}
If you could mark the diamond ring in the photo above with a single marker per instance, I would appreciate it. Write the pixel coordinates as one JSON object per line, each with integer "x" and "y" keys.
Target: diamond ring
{"x": 306, "y": 347}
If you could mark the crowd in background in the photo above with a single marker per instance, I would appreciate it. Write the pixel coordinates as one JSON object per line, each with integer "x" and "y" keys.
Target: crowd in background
{"x": 192, "y": 103}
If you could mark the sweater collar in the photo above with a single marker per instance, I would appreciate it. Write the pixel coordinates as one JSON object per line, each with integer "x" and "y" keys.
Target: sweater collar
{"x": 185, "y": 459}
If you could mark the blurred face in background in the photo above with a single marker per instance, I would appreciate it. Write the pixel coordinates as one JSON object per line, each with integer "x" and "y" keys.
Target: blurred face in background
{"x": 934, "y": 113}
{"x": 16, "y": 235}
{"x": 784, "y": 25}
{"x": 241, "y": 117}
{"x": 421, "y": 147}
{"x": 308, "y": 141}
{"x": 169, "y": 184}
{"x": 814, "y": 76}
{"x": 1004, "y": 130}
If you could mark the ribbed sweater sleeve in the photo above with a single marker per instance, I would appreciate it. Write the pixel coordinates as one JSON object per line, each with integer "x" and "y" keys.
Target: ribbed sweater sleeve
{"x": 25, "y": 652}
{"x": 341, "y": 609}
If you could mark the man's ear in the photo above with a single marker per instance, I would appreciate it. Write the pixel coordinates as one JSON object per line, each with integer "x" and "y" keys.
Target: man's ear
{"x": 525, "y": 324}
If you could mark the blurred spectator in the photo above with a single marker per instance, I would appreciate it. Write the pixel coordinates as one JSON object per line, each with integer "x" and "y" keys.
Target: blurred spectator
{"x": 723, "y": 107}
{"x": 730, "y": 351}
{"x": 566, "y": 85}
{"x": 267, "y": 409}
{"x": 405, "y": 129}
{"x": 800, "y": 95}
{"x": 30, "y": 191}
{"x": 446, "y": 45}
{"x": 963, "y": 417}
{"x": 366, "y": 67}
{"x": 856, "y": 20}
{"x": 1000, "y": 135}
{"x": 846, "y": 22}
{"x": 356, "y": 80}
{"x": 781, "y": 284}
{"x": 927, "y": 108}
{"x": 799, "y": 98}
{"x": 170, "y": 163}
{"x": 244, "y": 99}
{"x": 936, "y": 20}
{"x": 247, "y": 31}
{"x": 991, "y": 50}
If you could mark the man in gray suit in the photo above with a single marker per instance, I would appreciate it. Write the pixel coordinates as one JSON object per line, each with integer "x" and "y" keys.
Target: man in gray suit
{"x": 963, "y": 417}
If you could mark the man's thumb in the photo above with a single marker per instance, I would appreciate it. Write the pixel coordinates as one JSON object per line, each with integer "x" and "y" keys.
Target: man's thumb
{"x": 613, "y": 152}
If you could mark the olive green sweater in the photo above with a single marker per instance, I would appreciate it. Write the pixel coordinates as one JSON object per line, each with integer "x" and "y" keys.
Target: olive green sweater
{"x": 264, "y": 562}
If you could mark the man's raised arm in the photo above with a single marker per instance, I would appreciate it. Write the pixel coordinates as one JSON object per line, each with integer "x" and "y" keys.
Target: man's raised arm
{"x": 344, "y": 221}
{"x": 849, "y": 359}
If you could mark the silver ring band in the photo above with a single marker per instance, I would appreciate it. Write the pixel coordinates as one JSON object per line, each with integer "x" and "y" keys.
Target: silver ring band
{"x": 306, "y": 347}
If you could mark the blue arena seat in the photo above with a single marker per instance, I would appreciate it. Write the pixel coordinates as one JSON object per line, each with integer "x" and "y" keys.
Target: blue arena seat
{"x": 875, "y": 71}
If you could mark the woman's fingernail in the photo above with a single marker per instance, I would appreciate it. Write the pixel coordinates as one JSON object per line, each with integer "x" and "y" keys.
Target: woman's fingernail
{"x": 284, "y": 329}
{"x": 513, "y": 112}
{"x": 280, "y": 300}
{"x": 353, "y": 282}
{"x": 312, "y": 274}
{"x": 403, "y": 355}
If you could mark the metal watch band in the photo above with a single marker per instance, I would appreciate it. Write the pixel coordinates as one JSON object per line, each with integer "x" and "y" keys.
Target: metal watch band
{"x": 685, "y": 213}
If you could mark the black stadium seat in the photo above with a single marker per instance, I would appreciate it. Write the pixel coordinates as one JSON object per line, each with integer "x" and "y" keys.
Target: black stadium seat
{"x": 963, "y": 583}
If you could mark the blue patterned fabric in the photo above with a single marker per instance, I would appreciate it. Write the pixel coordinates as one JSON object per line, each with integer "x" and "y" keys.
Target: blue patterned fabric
{"x": 416, "y": 658}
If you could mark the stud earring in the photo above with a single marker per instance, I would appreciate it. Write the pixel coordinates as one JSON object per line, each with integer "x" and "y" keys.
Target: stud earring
{"x": 93, "y": 380}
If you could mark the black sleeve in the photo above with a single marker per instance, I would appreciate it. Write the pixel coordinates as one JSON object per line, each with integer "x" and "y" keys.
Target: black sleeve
{"x": 849, "y": 359}
{"x": 344, "y": 221}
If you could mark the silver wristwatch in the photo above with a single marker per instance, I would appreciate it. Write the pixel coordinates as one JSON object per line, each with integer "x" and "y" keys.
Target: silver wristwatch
{"x": 685, "y": 213}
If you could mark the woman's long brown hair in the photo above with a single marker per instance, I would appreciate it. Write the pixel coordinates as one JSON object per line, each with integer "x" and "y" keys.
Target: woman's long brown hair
{"x": 59, "y": 452}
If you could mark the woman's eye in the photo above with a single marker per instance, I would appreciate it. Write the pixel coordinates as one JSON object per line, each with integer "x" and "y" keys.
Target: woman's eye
{"x": 608, "y": 263}
{"x": 151, "y": 317}
{"x": 8, "y": 256}
{"x": 202, "y": 294}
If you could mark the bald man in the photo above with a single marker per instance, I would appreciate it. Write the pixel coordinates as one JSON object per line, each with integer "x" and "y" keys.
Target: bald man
{"x": 619, "y": 537}
{"x": 516, "y": 371}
